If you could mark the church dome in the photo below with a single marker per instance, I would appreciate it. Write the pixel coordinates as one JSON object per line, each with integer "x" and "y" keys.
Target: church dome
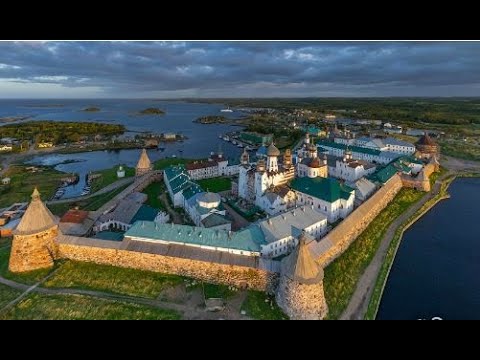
{"x": 316, "y": 163}
{"x": 209, "y": 200}
{"x": 273, "y": 151}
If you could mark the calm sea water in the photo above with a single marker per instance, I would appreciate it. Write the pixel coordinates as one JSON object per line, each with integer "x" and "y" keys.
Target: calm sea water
{"x": 437, "y": 269}
{"x": 179, "y": 117}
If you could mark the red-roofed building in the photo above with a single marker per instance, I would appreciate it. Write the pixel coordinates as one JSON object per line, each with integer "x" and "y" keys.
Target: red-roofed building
{"x": 74, "y": 217}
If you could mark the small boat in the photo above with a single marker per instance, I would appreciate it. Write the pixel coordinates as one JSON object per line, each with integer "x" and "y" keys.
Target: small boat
{"x": 174, "y": 156}
{"x": 248, "y": 148}
{"x": 240, "y": 145}
{"x": 227, "y": 110}
{"x": 220, "y": 136}
{"x": 234, "y": 142}
{"x": 226, "y": 138}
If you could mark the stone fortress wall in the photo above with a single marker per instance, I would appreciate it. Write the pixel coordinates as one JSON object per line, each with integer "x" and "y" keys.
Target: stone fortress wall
{"x": 117, "y": 254}
{"x": 340, "y": 238}
{"x": 422, "y": 182}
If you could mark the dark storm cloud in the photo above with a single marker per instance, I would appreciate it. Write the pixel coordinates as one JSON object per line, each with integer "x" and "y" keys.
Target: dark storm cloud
{"x": 244, "y": 68}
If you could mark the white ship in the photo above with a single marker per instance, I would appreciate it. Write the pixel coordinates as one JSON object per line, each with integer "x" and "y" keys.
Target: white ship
{"x": 227, "y": 110}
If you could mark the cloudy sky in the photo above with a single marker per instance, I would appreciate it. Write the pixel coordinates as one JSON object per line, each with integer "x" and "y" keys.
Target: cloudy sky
{"x": 238, "y": 69}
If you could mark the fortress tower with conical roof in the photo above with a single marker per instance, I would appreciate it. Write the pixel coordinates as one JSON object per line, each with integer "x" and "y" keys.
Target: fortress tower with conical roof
{"x": 300, "y": 292}
{"x": 33, "y": 244}
{"x": 144, "y": 165}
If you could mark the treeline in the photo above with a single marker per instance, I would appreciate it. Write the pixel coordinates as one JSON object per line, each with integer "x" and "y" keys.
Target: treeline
{"x": 59, "y": 132}
{"x": 453, "y": 111}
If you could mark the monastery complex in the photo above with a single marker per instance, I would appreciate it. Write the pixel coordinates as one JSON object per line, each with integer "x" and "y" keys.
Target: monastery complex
{"x": 317, "y": 199}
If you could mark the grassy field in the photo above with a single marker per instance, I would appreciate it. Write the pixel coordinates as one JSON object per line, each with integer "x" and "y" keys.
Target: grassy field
{"x": 154, "y": 190}
{"x": 109, "y": 176}
{"x": 216, "y": 185}
{"x": 460, "y": 150}
{"x": 111, "y": 279}
{"x": 29, "y": 278}
{"x": 164, "y": 163}
{"x": 342, "y": 275}
{"x": 4, "y": 242}
{"x": 23, "y": 183}
{"x": 7, "y": 294}
{"x": 260, "y": 306}
{"x": 212, "y": 291}
{"x": 77, "y": 307}
{"x": 392, "y": 251}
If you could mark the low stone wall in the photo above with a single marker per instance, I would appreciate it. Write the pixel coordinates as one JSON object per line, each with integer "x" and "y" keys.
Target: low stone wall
{"x": 111, "y": 253}
{"x": 340, "y": 238}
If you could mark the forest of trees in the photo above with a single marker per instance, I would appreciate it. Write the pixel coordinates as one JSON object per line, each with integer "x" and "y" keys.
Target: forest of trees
{"x": 59, "y": 132}
{"x": 452, "y": 111}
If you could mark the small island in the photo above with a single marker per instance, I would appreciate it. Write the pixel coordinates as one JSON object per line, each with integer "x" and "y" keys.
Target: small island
{"x": 152, "y": 111}
{"x": 211, "y": 119}
{"x": 92, "y": 109}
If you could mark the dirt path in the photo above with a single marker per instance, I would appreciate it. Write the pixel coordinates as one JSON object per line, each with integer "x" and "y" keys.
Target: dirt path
{"x": 192, "y": 309}
{"x": 358, "y": 304}
{"x": 174, "y": 216}
{"x": 239, "y": 222}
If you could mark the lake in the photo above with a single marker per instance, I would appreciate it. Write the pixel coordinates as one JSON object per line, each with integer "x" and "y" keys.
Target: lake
{"x": 179, "y": 117}
{"x": 436, "y": 271}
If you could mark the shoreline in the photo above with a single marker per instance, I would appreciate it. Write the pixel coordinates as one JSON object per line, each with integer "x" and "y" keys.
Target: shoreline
{"x": 384, "y": 273}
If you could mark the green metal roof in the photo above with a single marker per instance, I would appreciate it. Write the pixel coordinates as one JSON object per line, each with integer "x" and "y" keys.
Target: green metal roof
{"x": 193, "y": 190}
{"x": 174, "y": 170}
{"x": 384, "y": 174}
{"x": 215, "y": 220}
{"x": 249, "y": 239}
{"x": 145, "y": 213}
{"x": 109, "y": 235}
{"x": 327, "y": 189}
{"x": 180, "y": 183}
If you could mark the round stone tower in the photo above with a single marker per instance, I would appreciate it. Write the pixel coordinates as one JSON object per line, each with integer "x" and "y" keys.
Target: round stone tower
{"x": 300, "y": 292}
{"x": 144, "y": 165}
{"x": 33, "y": 244}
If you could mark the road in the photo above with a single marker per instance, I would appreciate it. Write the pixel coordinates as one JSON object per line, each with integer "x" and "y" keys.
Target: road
{"x": 457, "y": 165}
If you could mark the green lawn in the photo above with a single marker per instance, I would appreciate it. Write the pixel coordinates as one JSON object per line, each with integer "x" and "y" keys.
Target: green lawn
{"x": 78, "y": 307}
{"x": 29, "y": 278}
{"x": 213, "y": 291}
{"x": 109, "y": 176}
{"x": 5, "y": 241}
{"x": 7, "y": 294}
{"x": 154, "y": 191}
{"x": 461, "y": 150}
{"x": 258, "y": 308}
{"x": 23, "y": 183}
{"x": 216, "y": 185}
{"x": 111, "y": 279}
{"x": 164, "y": 163}
{"x": 343, "y": 274}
